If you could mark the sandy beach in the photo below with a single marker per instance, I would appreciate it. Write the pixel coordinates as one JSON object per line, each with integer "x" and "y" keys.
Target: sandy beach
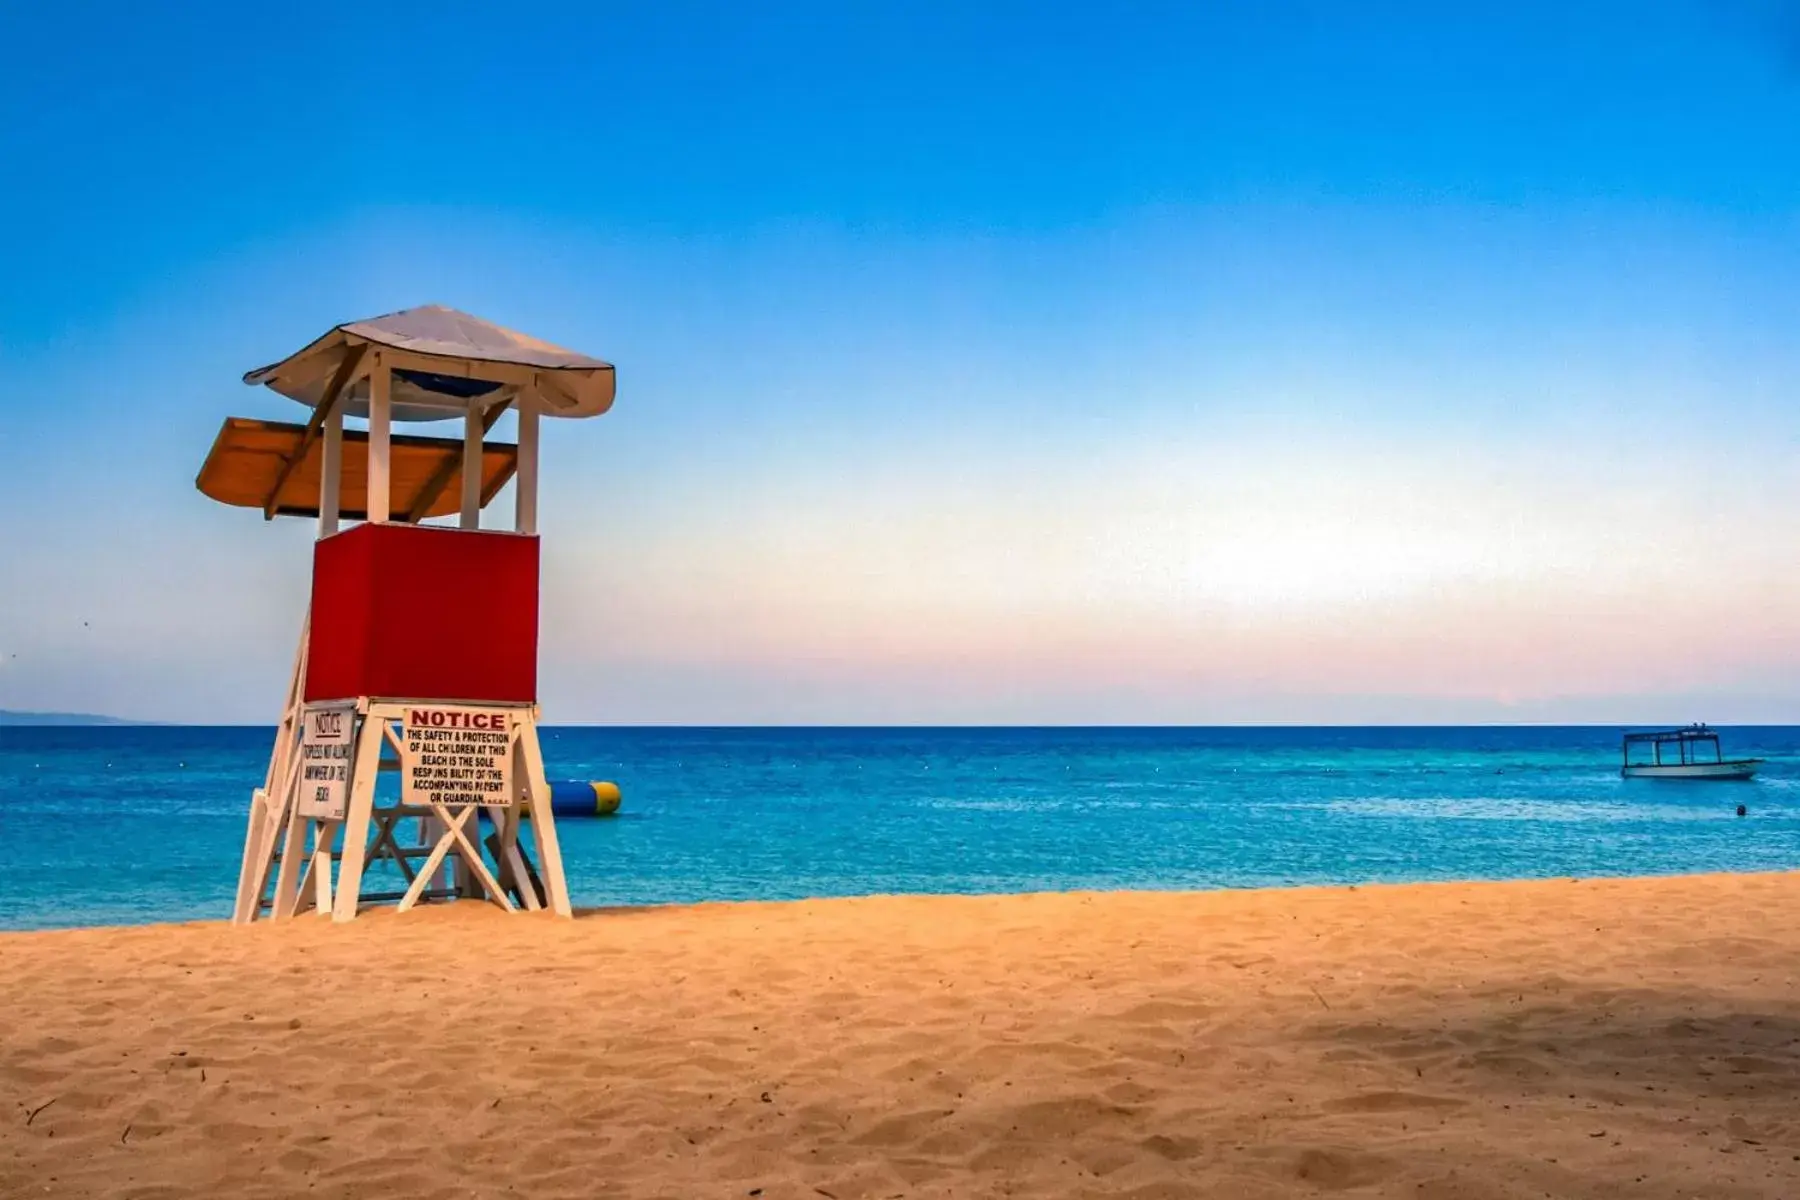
{"x": 1564, "y": 1038}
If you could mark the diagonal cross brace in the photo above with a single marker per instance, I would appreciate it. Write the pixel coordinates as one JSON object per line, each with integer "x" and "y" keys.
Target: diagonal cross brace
{"x": 335, "y": 389}
{"x": 455, "y": 835}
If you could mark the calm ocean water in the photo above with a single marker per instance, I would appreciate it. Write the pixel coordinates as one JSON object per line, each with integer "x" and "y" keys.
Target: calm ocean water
{"x": 109, "y": 825}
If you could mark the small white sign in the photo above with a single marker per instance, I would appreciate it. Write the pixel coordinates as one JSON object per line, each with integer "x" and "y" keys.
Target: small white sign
{"x": 326, "y": 747}
{"x": 457, "y": 756}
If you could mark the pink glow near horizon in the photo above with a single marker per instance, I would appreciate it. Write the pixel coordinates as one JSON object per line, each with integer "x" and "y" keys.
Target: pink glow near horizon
{"x": 1251, "y": 565}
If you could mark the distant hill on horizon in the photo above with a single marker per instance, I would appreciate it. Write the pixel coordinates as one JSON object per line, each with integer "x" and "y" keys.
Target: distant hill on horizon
{"x": 14, "y": 717}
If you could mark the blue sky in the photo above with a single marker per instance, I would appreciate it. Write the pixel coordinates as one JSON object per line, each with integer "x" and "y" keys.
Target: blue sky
{"x": 1248, "y": 362}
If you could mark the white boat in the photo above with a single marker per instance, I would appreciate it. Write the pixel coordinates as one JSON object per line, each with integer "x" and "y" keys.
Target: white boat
{"x": 1690, "y": 753}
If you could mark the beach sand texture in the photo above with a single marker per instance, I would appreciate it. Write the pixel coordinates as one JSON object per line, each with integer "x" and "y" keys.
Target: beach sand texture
{"x": 1565, "y": 1039}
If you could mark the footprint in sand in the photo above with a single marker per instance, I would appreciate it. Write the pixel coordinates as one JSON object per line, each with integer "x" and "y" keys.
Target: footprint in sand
{"x": 1175, "y": 1149}
{"x": 1336, "y": 1169}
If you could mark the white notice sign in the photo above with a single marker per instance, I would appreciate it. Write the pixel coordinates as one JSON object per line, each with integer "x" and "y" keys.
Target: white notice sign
{"x": 458, "y": 756}
{"x": 325, "y": 750}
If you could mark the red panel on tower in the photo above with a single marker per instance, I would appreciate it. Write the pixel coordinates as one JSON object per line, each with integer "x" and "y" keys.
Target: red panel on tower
{"x": 416, "y": 612}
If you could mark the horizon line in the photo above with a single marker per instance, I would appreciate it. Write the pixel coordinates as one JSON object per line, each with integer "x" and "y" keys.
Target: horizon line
{"x": 103, "y": 722}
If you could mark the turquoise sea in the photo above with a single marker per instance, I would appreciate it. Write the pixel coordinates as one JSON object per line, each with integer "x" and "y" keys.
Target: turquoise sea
{"x": 129, "y": 824}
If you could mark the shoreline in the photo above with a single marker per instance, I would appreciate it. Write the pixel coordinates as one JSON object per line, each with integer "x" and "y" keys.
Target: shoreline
{"x": 590, "y": 912}
{"x": 1608, "y": 1036}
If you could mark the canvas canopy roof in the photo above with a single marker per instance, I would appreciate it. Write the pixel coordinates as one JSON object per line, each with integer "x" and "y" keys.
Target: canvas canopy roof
{"x": 444, "y": 362}
{"x": 249, "y": 466}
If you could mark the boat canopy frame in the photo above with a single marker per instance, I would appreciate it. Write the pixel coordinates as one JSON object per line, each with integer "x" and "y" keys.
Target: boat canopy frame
{"x": 1685, "y": 740}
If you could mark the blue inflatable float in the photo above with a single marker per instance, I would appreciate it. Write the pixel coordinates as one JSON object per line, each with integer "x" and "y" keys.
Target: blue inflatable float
{"x": 572, "y": 798}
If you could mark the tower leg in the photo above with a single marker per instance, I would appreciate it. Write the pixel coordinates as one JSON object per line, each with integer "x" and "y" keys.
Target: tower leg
{"x": 276, "y": 806}
{"x": 322, "y": 841}
{"x": 313, "y": 890}
{"x": 269, "y": 806}
{"x": 254, "y": 870}
{"x": 515, "y": 874}
{"x": 366, "y": 766}
{"x": 287, "y": 876}
{"x": 543, "y": 823}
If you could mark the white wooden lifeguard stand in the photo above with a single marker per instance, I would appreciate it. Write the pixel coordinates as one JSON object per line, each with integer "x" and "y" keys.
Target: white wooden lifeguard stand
{"x": 419, "y": 651}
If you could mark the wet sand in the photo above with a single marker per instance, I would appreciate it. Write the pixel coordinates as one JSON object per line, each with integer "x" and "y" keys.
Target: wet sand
{"x": 1566, "y": 1039}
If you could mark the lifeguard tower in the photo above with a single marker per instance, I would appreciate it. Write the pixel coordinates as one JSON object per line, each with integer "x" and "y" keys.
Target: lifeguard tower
{"x": 419, "y": 651}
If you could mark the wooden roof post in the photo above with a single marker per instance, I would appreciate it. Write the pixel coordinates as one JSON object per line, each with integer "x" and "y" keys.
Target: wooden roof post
{"x": 525, "y": 482}
{"x": 380, "y": 417}
{"x": 440, "y": 478}
{"x": 473, "y": 428}
{"x": 331, "y": 472}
